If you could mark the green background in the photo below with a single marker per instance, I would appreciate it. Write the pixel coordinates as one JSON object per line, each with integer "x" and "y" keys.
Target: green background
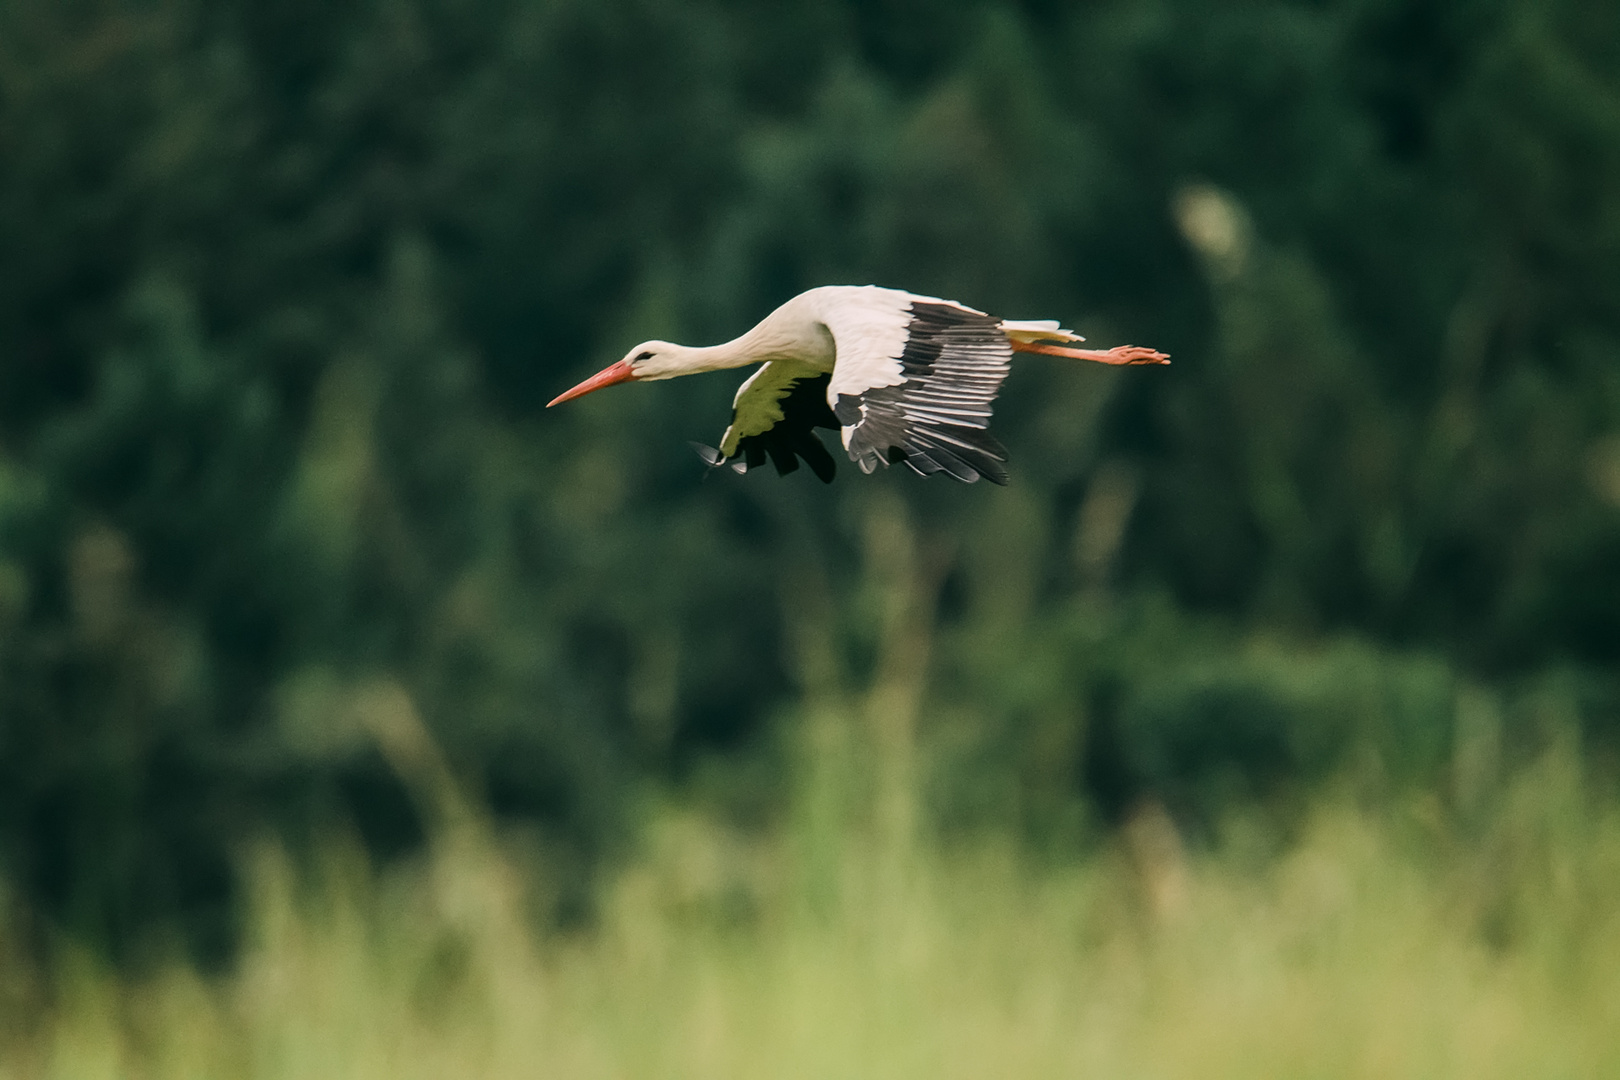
{"x": 284, "y": 288}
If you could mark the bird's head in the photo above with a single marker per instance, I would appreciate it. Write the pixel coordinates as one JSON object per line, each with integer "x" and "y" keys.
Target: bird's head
{"x": 647, "y": 361}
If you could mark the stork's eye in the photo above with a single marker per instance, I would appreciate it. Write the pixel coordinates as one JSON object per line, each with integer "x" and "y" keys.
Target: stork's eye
{"x": 645, "y": 354}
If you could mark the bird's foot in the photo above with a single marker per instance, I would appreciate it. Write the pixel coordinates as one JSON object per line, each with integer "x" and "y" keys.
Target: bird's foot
{"x": 1125, "y": 354}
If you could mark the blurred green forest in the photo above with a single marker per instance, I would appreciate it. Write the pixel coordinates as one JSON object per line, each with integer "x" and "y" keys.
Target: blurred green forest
{"x": 284, "y": 286}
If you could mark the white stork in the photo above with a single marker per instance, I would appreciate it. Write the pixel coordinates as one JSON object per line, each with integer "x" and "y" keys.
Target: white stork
{"x": 905, "y": 378}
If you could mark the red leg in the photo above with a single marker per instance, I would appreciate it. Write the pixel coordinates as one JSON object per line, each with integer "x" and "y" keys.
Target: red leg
{"x": 1122, "y": 354}
{"x": 1119, "y": 354}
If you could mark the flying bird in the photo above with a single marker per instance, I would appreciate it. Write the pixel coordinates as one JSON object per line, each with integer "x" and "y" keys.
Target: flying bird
{"x": 903, "y": 378}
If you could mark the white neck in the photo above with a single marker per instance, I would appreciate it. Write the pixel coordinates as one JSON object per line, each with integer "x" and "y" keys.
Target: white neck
{"x": 738, "y": 352}
{"x": 776, "y": 338}
{"x": 791, "y": 332}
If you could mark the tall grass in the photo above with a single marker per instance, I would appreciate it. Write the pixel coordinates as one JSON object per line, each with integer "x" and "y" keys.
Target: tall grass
{"x": 1375, "y": 943}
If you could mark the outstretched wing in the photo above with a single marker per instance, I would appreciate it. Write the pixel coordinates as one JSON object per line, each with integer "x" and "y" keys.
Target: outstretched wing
{"x": 914, "y": 381}
{"x": 774, "y": 415}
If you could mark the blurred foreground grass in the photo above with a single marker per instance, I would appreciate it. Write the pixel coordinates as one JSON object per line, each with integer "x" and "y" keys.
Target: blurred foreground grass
{"x": 1393, "y": 941}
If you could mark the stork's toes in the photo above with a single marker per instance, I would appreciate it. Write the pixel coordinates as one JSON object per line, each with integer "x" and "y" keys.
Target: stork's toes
{"x": 1135, "y": 354}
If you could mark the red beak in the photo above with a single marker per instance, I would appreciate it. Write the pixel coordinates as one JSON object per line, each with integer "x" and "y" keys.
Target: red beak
{"x": 618, "y": 373}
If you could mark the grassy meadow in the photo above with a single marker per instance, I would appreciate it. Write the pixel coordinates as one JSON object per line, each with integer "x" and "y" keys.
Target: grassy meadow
{"x": 1408, "y": 940}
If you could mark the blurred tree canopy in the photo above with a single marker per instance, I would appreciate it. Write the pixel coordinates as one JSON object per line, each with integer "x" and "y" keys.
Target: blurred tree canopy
{"x": 284, "y": 286}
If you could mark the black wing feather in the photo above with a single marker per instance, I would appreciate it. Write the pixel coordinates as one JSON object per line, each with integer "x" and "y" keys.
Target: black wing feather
{"x": 935, "y": 421}
{"x": 804, "y": 408}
